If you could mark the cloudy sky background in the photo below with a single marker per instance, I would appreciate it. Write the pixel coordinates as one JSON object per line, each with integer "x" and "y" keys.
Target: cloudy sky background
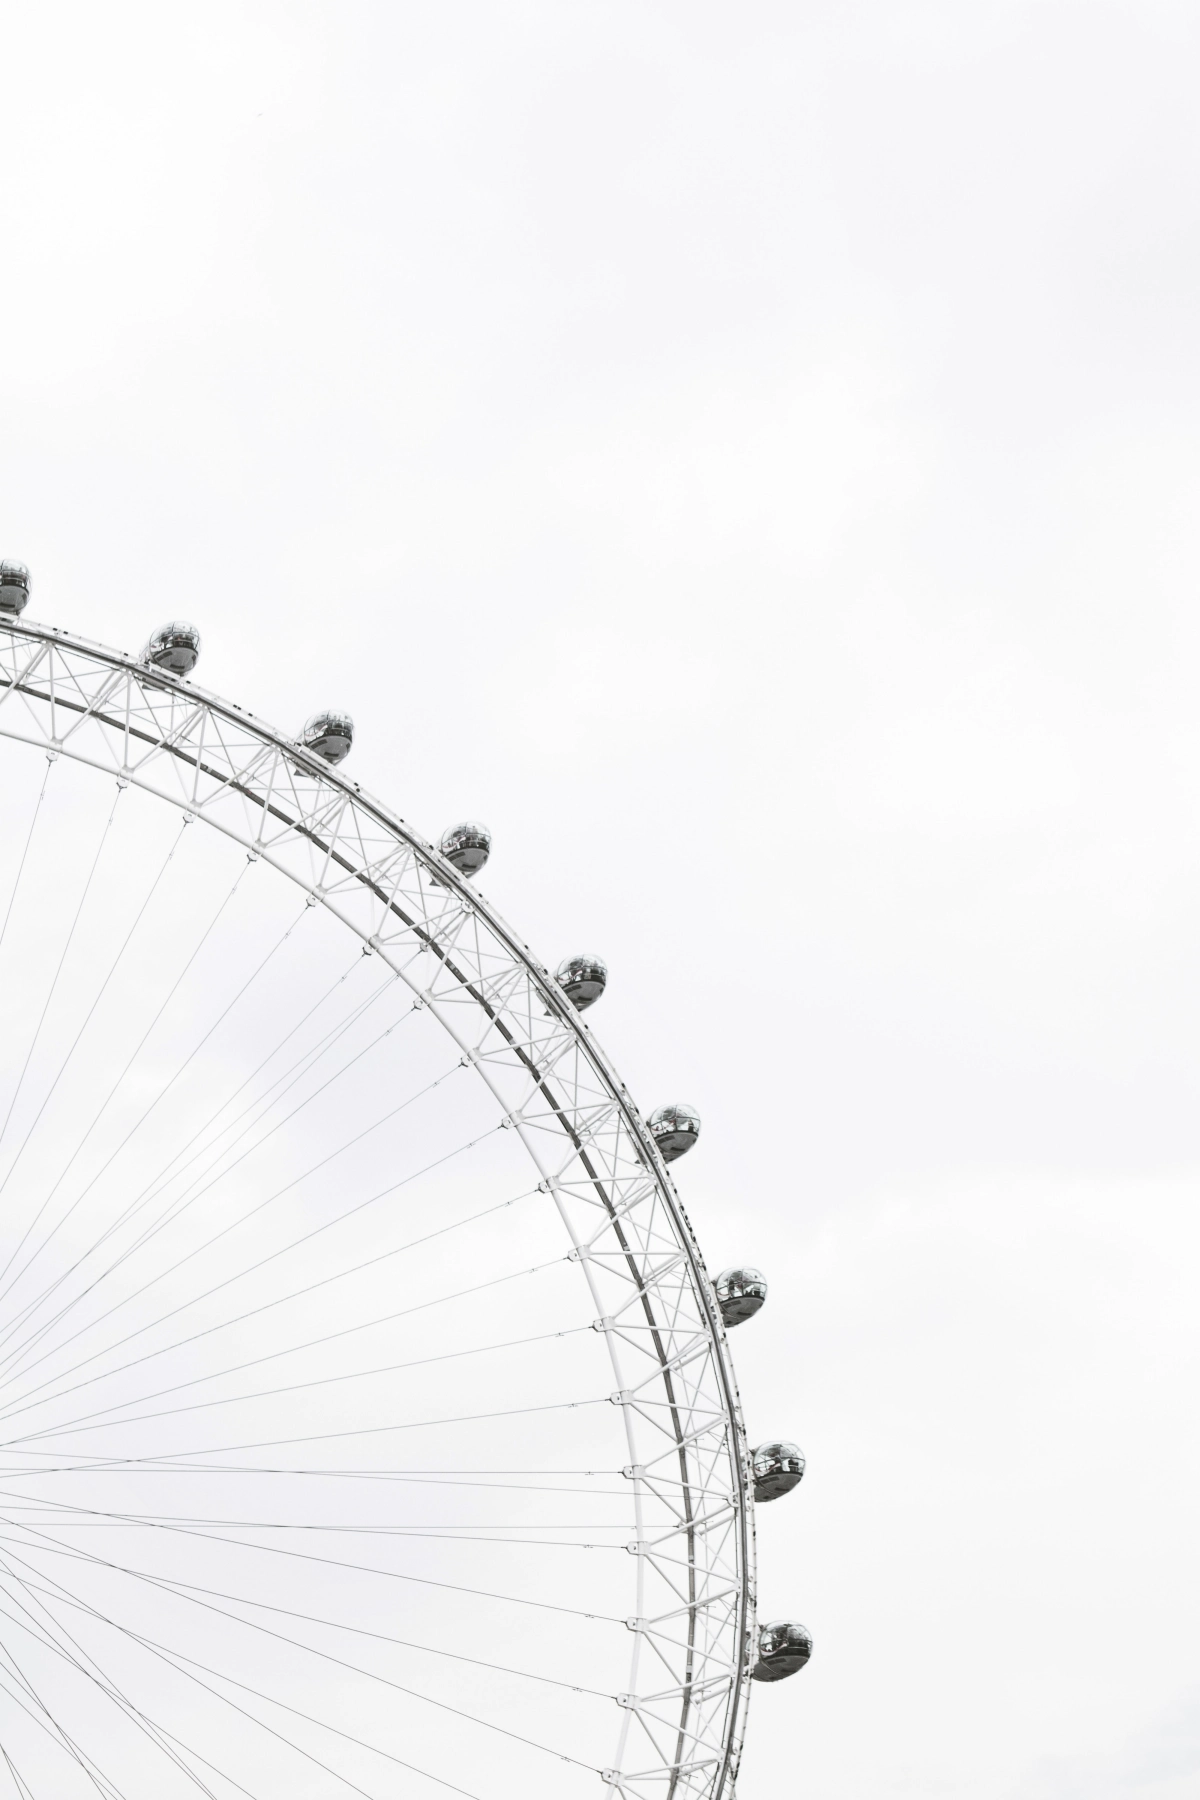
{"x": 746, "y": 454}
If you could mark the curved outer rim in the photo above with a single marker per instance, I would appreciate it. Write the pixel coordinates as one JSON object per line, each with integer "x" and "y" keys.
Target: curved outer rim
{"x": 684, "y": 1717}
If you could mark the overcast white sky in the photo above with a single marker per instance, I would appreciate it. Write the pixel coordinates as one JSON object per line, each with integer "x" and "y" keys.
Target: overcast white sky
{"x": 747, "y": 455}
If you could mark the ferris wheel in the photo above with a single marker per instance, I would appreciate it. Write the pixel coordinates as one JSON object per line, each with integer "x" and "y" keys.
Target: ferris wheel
{"x": 367, "y": 1420}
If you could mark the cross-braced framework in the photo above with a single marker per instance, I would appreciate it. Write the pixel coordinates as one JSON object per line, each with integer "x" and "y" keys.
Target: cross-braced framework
{"x": 684, "y": 1713}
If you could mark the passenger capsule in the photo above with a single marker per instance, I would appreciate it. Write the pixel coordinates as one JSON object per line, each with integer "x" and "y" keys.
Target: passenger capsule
{"x": 174, "y": 647}
{"x": 583, "y": 980}
{"x": 674, "y": 1129}
{"x": 740, "y": 1294}
{"x": 783, "y": 1648}
{"x": 467, "y": 847}
{"x": 330, "y": 734}
{"x": 14, "y": 587}
{"x": 778, "y": 1468}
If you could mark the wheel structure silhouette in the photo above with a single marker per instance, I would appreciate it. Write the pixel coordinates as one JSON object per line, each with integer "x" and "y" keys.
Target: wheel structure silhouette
{"x": 367, "y": 1422}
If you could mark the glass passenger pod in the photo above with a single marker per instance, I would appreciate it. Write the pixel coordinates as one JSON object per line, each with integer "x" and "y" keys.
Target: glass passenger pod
{"x": 14, "y": 587}
{"x": 675, "y": 1129}
{"x": 783, "y": 1647}
{"x": 583, "y": 980}
{"x": 467, "y": 846}
{"x": 174, "y": 647}
{"x": 330, "y": 735}
{"x": 740, "y": 1294}
{"x": 778, "y": 1468}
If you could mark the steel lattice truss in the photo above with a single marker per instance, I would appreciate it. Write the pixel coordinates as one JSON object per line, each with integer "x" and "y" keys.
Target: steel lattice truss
{"x": 684, "y": 1714}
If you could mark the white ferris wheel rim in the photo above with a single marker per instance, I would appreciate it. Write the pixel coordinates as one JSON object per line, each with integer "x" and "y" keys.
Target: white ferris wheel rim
{"x": 393, "y": 890}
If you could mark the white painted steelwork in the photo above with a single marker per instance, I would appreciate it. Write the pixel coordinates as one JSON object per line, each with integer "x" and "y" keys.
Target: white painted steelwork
{"x": 693, "y": 1636}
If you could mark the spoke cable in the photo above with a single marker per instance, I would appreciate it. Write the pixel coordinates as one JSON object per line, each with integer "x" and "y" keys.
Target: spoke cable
{"x": 102, "y": 1465}
{"x": 370, "y": 1262}
{"x": 31, "y": 1307}
{"x": 371, "y": 1675}
{"x": 241, "y": 1274}
{"x": 52, "y": 1727}
{"x": 334, "y": 1562}
{"x": 43, "y": 1633}
{"x": 330, "y": 1437}
{"x": 37, "y": 807}
{"x": 433, "y": 1534}
{"x": 75, "y": 1045}
{"x": 298, "y": 1387}
{"x": 183, "y": 1202}
{"x": 109, "y": 1787}
{"x": 173, "y": 1210}
{"x": 16, "y": 1323}
{"x": 186, "y": 1588}
{"x": 37, "y": 1032}
{"x": 169, "y": 1657}
{"x": 190, "y": 1591}
{"x": 356, "y": 1012}
{"x": 159, "y": 1182}
{"x": 20, "y": 1786}
{"x": 346, "y": 1331}
{"x": 161, "y": 1095}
